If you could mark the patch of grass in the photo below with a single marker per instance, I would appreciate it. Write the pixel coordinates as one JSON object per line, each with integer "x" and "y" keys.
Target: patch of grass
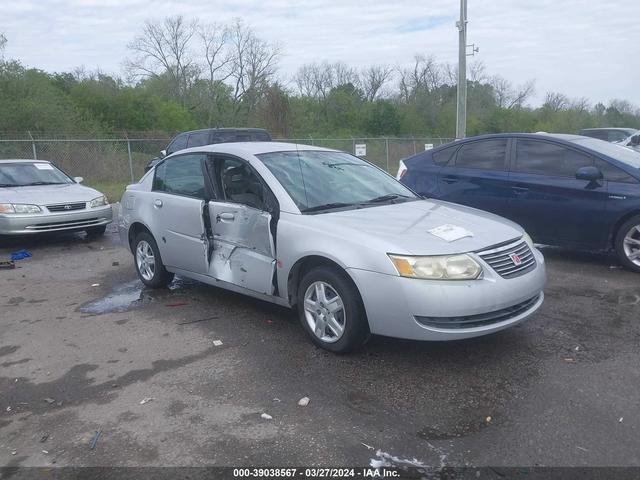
{"x": 112, "y": 189}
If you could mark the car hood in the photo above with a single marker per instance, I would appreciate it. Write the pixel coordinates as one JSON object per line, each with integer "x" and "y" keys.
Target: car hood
{"x": 48, "y": 194}
{"x": 405, "y": 227}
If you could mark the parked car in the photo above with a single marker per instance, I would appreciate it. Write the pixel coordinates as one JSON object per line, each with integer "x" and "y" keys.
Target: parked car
{"x": 37, "y": 197}
{"x": 565, "y": 190}
{"x": 354, "y": 250}
{"x": 209, "y": 136}
{"x": 608, "y": 134}
{"x": 633, "y": 141}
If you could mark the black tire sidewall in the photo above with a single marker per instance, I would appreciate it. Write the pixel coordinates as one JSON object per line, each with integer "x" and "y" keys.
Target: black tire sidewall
{"x": 356, "y": 328}
{"x": 161, "y": 278}
{"x": 619, "y": 243}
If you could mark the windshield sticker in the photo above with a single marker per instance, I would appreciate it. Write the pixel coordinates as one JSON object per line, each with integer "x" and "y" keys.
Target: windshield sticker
{"x": 43, "y": 166}
{"x": 450, "y": 233}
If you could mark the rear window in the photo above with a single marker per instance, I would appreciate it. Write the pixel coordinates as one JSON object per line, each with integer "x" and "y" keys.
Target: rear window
{"x": 198, "y": 139}
{"x": 444, "y": 156}
{"x": 484, "y": 155}
{"x": 179, "y": 143}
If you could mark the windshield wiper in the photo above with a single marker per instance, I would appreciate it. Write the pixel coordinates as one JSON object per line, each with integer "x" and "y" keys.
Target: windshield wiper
{"x": 328, "y": 206}
{"x": 385, "y": 198}
{"x": 39, "y": 183}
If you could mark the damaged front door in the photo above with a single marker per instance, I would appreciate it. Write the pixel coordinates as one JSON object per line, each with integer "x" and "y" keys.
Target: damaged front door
{"x": 243, "y": 247}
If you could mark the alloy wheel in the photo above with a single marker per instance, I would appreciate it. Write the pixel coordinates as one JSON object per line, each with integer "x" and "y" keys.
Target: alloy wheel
{"x": 631, "y": 244}
{"x": 324, "y": 311}
{"x": 145, "y": 260}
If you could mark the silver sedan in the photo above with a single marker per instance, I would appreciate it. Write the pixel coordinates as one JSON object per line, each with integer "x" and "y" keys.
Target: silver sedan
{"x": 352, "y": 249}
{"x": 37, "y": 197}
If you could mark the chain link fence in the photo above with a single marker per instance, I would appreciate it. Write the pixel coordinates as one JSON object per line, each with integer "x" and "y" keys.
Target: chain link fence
{"x": 109, "y": 164}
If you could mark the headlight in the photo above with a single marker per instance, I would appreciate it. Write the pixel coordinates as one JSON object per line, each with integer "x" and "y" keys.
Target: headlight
{"x": 18, "y": 208}
{"x": 441, "y": 267}
{"x": 99, "y": 202}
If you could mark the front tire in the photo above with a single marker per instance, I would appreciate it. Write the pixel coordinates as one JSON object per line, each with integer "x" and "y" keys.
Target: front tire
{"x": 627, "y": 244}
{"x": 148, "y": 261}
{"x": 331, "y": 310}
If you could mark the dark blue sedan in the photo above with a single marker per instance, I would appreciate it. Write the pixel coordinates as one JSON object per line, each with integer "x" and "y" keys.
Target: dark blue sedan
{"x": 565, "y": 190}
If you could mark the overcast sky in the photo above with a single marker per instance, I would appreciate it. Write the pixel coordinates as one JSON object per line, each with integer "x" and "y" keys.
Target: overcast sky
{"x": 578, "y": 47}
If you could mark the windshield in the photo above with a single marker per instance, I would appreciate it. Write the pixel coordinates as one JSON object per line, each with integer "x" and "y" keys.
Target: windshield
{"x": 318, "y": 180}
{"x": 618, "y": 152}
{"x": 22, "y": 174}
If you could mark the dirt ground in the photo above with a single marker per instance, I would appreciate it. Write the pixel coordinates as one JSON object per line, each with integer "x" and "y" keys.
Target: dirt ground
{"x": 83, "y": 344}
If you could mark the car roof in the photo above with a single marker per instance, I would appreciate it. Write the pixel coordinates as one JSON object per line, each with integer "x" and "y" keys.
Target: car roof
{"x": 225, "y": 129}
{"x": 624, "y": 129}
{"x": 22, "y": 160}
{"x": 538, "y": 135}
{"x": 251, "y": 148}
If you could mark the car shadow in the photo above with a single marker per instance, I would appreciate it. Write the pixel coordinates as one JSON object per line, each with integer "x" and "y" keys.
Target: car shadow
{"x": 59, "y": 239}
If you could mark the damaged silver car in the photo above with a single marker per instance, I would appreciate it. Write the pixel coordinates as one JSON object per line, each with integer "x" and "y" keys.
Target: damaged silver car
{"x": 352, "y": 249}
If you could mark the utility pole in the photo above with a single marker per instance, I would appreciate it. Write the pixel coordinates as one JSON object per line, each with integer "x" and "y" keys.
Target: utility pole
{"x": 461, "y": 125}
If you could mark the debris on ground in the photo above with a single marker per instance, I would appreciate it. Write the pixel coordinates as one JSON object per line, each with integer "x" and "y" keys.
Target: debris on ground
{"x": 115, "y": 264}
{"x": 266, "y": 416}
{"x": 569, "y": 360}
{"x": 217, "y": 343}
{"x": 45, "y": 451}
{"x": 614, "y": 267}
{"x": 7, "y": 265}
{"x": 199, "y": 320}
{"x": 488, "y": 419}
{"x": 50, "y": 400}
{"x": 20, "y": 254}
{"x": 95, "y": 285}
{"x": 94, "y": 440}
{"x": 44, "y": 438}
{"x": 176, "y": 304}
{"x": 14, "y": 452}
{"x": 8, "y": 409}
{"x": 581, "y": 448}
{"x": 621, "y": 418}
{"x": 303, "y": 402}
{"x": 146, "y": 400}
{"x": 369, "y": 447}
{"x": 277, "y": 400}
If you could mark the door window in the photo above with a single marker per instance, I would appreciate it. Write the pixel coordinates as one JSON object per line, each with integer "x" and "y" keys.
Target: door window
{"x": 181, "y": 175}
{"x": 484, "y": 155}
{"x": 198, "y": 139}
{"x": 444, "y": 156}
{"x": 240, "y": 184}
{"x": 545, "y": 158}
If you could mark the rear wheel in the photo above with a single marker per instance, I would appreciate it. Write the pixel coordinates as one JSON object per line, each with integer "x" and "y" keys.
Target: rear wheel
{"x": 627, "y": 244}
{"x": 148, "y": 262}
{"x": 331, "y": 310}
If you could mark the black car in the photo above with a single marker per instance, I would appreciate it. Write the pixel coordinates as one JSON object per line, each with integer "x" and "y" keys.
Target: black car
{"x": 209, "y": 136}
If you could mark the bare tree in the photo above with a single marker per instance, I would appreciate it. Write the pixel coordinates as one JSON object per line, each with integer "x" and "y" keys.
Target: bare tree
{"x": 477, "y": 72}
{"x": 425, "y": 75}
{"x": 164, "y": 49}
{"x": 253, "y": 66}
{"x": 373, "y": 80}
{"x": 555, "y": 101}
{"x": 508, "y": 96}
{"x": 3, "y": 44}
{"x": 217, "y": 58}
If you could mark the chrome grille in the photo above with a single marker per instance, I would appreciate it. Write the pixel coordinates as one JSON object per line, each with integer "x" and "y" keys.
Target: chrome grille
{"x": 504, "y": 259}
{"x": 67, "y": 207}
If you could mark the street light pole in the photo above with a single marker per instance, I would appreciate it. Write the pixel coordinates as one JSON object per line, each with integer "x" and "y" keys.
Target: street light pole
{"x": 461, "y": 125}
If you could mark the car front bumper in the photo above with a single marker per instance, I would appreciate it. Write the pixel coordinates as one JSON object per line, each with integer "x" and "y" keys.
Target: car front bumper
{"x": 420, "y": 309}
{"x": 55, "y": 222}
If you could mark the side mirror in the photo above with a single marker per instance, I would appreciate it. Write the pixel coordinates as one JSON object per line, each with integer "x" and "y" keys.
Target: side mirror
{"x": 163, "y": 153}
{"x": 635, "y": 140}
{"x": 78, "y": 179}
{"x": 590, "y": 174}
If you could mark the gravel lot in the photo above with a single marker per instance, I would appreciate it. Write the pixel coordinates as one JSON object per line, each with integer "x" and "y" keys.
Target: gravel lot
{"x": 82, "y": 344}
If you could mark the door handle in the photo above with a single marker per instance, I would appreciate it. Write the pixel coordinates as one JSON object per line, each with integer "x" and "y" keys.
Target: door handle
{"x": 157, "y": 203}
{"x": 225, "y": 217}
{"x": 519, "y": 190}
{"x": 450, "y": 179}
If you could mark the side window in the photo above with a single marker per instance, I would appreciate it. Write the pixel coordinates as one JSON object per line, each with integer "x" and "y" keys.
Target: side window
{"x": 616, "y": 136}
{"x": 485, "y": 155}
{"x": 198, "y": 139}
{"x": 545, "y": 158}
{"x": 240, "y": 183}
{"x": 613, "y": 173}
{"x": 179, "y": 143}
{"x": 181, "y": 175}
{"x": 443, "y": 157}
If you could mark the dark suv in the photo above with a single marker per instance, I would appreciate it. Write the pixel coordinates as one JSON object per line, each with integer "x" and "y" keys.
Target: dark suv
{"x": 208, "y": 136}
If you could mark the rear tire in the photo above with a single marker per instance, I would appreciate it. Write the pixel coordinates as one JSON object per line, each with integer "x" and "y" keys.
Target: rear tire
{"x": 627, "y": 244}
{"x": 331, "y": 310}
{"x": 96, "y": 231}
{"x": 148, "y": 262}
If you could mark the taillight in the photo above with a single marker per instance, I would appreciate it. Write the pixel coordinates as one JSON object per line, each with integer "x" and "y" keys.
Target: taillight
{"x": 402, "y": 170}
